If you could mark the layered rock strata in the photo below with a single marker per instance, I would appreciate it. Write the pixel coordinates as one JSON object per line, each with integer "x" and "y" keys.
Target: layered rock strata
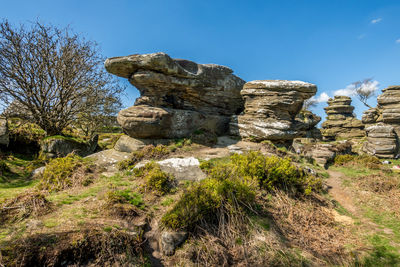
{"x": 270, "y": 111}
{"x": 382, "y": 141}
{"x": 340, "y": 121}
{"x": 384, "y": 125}
{"x": 178, "y": 96}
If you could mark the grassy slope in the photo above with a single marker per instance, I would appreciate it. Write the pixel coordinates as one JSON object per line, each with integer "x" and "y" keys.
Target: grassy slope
{"x": 291, "y": 231}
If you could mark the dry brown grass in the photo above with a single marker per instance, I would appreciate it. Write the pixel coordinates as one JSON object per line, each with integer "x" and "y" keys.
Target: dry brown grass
{"x": 379, "y": 190}
{"x": 23, "y": 206}
{"x": 90, "y": 246}
{"x": 309, "y": 224}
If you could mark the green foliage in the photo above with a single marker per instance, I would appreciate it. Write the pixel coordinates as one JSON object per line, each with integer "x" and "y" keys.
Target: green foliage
{"x": 61, "y": 173}
{"x": 3, "y": 167}
{"x": 366, "y": 161}
{"x": 158, "y": 180}
{"x": 273, "y": 172}
{"x": 231, "y": 186}
{"x": 204, "y": 200}
{"x": 20, "y": 129}
{"x": 62, "y": 137}
{"x": 124, "y": 197}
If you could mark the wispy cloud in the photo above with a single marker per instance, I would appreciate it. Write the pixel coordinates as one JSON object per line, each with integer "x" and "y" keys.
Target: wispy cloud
{"x": 398, "y": 41}
{"x": 321, "y": 98}
{"x": 361, "y": 36}
{"x": 375, "y": 21}
{"x": 350, "y": 90}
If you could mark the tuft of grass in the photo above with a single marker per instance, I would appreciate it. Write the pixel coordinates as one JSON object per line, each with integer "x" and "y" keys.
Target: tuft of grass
{"x": 61, "y": 173}
{"x": 124, "y": 197}
{"x": 155, "y": 179}
{"x": 365, "y": 161}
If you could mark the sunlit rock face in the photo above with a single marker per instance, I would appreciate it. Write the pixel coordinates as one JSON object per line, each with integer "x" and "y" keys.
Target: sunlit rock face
{"x": 178, "y": 96}
{"x": 340, "y": 121}
{"x": 383, "y": 129}
{"x": 270, "y": 111}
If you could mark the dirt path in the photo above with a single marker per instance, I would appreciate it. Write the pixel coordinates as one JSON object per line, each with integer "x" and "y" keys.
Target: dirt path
{"x": 340, "y": 193}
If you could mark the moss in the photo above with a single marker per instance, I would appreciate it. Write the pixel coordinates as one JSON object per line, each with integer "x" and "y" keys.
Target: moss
{"x": 61, "y": 173}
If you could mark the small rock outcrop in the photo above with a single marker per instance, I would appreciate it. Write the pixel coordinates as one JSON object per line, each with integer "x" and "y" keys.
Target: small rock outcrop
{"x": 340, "y": 121}
{"x": 178, "y": 96}
{"x": 370, "y": 116}
{"x": 59, "y": 146}
{"x": 270, "y": 111}
{"x": 4, "y": 135}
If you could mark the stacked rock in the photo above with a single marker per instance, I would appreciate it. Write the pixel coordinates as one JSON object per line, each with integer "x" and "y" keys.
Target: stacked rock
{"x": 384, "y": 130}
{"x": 389, "y": 104}
{"x": 178, "y": 96}
{"x": 340, "y": 121}
{"x": 382, "y": 141}
{"x": 270, "y": 111}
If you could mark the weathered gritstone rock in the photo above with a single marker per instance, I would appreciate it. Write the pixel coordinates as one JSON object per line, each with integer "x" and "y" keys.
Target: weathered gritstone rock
{"x": 340, "y": 121}
{"x": 270, "y": 110}
{"x": 177, "y": 96}
{"x": 370, "y": 116}
{"x": 389, "y": 103}
{"x": 382, "y": 141}
{"x": 4, "y": 136}
{"x": 384, "y": 125}
{"x": 57, "y": 146}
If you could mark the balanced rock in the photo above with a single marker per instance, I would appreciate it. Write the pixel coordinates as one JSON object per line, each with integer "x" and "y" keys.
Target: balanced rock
{"x": 178, "y": 96}
{"x": 340, "y": 121}
{"x": 271, "y": 107}
{"x": 389, "y": 104}
{"x": 4, "y": 136}
{"x": 382, "y": 141}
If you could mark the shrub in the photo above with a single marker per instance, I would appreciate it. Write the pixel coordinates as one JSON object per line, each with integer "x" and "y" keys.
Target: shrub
{"x": 61, "y": 173}
{"x": 27, "y": 131}
{"x": 273, "y": 172}
{"x": 230, "y": 188}
{"x": 203, "y": 201}
{"x": 155, "y": 179}
{"x": 3, "y": 167}
{"x": 367, "y": 161}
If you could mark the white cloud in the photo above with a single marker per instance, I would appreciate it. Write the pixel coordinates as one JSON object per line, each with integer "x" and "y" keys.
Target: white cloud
{"x": 375, "y": 21}
{"x": 366, "y": 87}
{"x": 398, "y": 41}
{"x": 321, "y": 98}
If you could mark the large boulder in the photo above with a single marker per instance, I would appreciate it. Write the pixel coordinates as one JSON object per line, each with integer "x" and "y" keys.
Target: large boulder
{"x": 271, "y": 107}
{"x": 4, "y": 135}
{"x": 60, "y": 146}
{"x": 340, "y": 121}
{"x": 177, "y": 96}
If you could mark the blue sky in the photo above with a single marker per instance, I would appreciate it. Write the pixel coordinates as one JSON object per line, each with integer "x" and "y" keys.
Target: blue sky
{"x": 331, "y": 43}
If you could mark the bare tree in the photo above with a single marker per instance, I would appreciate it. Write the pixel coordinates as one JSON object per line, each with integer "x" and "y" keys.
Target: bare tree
{"x": 310, "y": 103}
{"x": 53, "y": 73}
{"x": 365, "y": 89}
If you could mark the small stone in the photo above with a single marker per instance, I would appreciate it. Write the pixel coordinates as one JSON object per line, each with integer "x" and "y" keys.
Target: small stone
{"x": 171, "y": 240}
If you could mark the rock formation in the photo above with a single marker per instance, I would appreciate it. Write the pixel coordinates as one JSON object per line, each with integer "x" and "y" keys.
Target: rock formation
{"x": 178, "y": 96}
{"x": 382, "y": 141}
{"x": 270, "y": 111}
{"x": 384, "y": 125}
{"x": 340, "y": 121}
{"x": 58, "y": 146}
{"x": 4, "y": 136}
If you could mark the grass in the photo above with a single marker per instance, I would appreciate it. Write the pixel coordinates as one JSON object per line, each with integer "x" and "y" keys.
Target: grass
{"x": 16, "y": 178}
